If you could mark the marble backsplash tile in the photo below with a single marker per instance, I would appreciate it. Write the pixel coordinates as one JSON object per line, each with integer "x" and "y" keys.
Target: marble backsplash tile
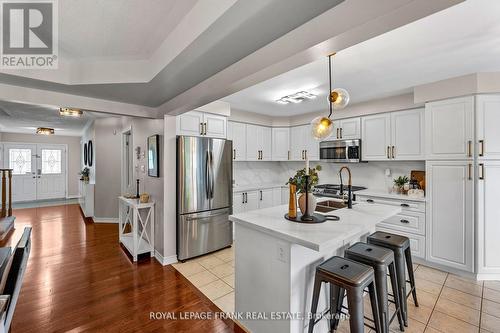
{"x": 370, "y": 174}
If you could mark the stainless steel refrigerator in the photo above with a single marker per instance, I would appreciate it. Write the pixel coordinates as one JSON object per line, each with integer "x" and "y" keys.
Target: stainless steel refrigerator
{"x": 204, "y": 195}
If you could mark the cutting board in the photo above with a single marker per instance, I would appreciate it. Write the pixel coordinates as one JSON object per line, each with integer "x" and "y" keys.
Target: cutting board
{"x": 419, "y": 176}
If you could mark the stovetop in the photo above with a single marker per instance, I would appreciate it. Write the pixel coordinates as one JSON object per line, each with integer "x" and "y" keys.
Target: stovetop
{"x": 333, "y": 190}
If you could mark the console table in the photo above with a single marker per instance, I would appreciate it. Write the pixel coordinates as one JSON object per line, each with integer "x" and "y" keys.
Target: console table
{"x": 140, "y": 217}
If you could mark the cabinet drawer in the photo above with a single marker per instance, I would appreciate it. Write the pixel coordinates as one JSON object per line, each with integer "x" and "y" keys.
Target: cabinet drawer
{"x": 406, "y": 205}
{"x": 417, "y": 242}
{"x": 410, "y": 222}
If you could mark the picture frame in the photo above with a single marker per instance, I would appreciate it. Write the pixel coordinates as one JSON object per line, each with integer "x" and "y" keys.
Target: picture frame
{"x": 154, "y": 156}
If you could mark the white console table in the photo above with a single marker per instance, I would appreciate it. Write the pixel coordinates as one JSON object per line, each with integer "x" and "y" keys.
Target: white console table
{"x": 137, "y": 241}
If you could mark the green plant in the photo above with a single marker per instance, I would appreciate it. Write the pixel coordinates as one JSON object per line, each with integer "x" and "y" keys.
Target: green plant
{"x": 299, "y": 179}
{"x": 401, "y": 181}
{"x": 85, "y": 173}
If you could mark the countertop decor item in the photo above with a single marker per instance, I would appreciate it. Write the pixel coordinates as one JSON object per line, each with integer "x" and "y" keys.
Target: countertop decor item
{"x": 307, "y": 201}
{"x": 144, "y": 198}
{"x": 400, "y": 182}
{"x": 292, "y": 203}
{"x": 322, "y": 127}
{"x": 419, "y": 176}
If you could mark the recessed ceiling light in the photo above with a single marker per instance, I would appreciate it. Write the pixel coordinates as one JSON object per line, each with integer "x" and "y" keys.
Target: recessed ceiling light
{"x": 68, "y": 112}
{"x": 44, "y": 131}
{"x": 296, "y": 98}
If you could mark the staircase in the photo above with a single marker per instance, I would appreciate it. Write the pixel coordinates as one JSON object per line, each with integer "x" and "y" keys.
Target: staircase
{"x": 6, "y": 218}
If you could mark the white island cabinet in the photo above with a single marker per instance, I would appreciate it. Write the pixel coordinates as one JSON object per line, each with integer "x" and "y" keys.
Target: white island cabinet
{"x": 276, "y": 261}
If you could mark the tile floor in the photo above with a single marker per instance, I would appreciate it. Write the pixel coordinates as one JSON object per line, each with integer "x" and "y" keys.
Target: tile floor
{"x": 448, "y": 303}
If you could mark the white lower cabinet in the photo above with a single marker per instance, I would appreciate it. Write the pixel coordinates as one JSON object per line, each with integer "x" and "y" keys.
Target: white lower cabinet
{"x": 266, "y": 198}
{"x": 257, "y": 199}
{"x": 450, "y": 214}
{"x": 409, "y": 223}
{"x": 488, "y": 217}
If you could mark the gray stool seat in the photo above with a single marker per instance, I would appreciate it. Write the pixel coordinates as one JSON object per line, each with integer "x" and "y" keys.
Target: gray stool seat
{"x": 381, "y": 260}
{"x": 400, "y": 245}
{"x": 389, "y": 240}
{"x": 345, "y": 276}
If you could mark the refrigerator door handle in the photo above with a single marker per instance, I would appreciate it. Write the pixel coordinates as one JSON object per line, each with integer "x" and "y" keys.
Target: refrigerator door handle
{"x": 207, "y": 175}
{"x": 212, "y": 181}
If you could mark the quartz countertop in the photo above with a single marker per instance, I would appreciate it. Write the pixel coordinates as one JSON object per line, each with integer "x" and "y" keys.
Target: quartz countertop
{"x": 386, "y": 194}
{"x": 362, "y": 217}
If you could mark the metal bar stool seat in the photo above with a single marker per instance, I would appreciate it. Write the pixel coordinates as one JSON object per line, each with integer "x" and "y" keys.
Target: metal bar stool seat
{"x": 345, "y": 276}
{"x": 381, "y": 260}
{"x": 400, "y": 245}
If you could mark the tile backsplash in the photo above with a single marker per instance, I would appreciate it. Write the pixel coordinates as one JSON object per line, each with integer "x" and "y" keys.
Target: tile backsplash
{"x": 371, "y": 175}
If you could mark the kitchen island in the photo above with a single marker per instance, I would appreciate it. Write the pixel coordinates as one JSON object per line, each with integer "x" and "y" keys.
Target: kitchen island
{"x": 275, "y": 261}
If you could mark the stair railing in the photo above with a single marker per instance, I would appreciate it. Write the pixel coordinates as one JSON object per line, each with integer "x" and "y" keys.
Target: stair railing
{"x": 6, "y": 173}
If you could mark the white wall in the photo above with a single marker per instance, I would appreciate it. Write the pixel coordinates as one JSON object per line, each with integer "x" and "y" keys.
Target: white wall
{"x": 74, "y": 153}
{"x": 370, "y": 175}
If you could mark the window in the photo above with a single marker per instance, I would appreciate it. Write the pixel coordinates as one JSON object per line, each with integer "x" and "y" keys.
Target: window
{"x": 20, "y": 161}
{"x": 51, "y": 161}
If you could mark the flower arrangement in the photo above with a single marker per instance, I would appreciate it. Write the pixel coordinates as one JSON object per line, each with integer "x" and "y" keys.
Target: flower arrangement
{"x": 400, "y": 182}
{"x": 85, "y": 174}
{"x": 299, "y": 179}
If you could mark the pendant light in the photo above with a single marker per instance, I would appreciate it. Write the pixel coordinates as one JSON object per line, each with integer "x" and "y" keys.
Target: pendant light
{"x": 338, "y": 98}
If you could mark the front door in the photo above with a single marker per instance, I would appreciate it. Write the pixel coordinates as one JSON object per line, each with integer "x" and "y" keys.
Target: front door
{"x": 39, "y": 171}
{"x": 21, "y": 158}
{"x": 51, "y": 172}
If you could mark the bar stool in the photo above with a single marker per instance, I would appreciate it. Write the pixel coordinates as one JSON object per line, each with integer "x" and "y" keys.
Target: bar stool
{"x": 381, "y": 259}
{"x": 400, "y": 245}
{"x": 345, "y": 275}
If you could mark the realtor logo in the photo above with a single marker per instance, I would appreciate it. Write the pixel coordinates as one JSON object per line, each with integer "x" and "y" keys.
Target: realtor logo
{"x": 29, "y": 34}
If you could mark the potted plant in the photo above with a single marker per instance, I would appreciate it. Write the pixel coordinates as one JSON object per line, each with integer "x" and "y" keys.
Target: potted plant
{"x": 299, "y": 180}
{"x": 85, "y": 175}
{"x": 400, "y": 182}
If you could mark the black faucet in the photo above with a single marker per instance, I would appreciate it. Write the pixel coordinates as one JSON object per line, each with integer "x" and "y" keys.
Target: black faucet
{"x": 349, "y": 186}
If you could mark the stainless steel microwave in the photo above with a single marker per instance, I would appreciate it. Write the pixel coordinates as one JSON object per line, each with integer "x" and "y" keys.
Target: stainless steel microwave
{"x": 342, "y": 151}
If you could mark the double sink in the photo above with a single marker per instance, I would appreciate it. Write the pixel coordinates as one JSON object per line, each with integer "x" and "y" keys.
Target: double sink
{"x": 330, "y": 205}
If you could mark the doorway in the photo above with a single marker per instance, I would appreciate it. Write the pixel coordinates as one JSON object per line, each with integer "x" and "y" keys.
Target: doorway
{"x": 39, "y": 170}
{"x": 127, "y": 162}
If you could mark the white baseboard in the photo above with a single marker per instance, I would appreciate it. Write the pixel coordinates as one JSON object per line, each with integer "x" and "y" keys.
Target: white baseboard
{"x": 73, "y": 196}
{"x": 445, "y": 268}
{"x": 105, "y": 219}
{"x": 164, "y": 261}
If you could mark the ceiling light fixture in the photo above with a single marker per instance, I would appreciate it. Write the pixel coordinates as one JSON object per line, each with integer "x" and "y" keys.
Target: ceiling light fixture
{"x": 44, "y": 131}
{"x": 68, "y": 112}
{"x": 296, "y": 98}
{"x": 338, "y": 98}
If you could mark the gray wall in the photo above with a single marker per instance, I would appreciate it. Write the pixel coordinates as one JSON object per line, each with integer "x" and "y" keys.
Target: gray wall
{"x": 141, "y": 130}
{"x": 107, "y": 162}
{"x": 74, "y": 153}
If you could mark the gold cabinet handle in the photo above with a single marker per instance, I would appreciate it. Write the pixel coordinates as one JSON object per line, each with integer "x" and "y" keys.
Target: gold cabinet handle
{"x": 201, "y": 128}
{"x": 469, "y": 171}
{"x": 481, "y": 171}
{"x": 302, "y": 155}
{"x": 305, "y": 154}
{"x": 338, "y": 133}
{"x": 469, "y": 148}
{"x": 341, "y": 132}
{"x": 481, "y": 147}
{"x": 234, "y": 154}
{"x": 388, "y": 152}
{"x": 393, "y": 156}
{"x": 289, "y": 155}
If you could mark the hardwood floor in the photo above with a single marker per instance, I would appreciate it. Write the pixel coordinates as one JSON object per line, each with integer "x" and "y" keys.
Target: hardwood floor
{"x": 79, "y": 279}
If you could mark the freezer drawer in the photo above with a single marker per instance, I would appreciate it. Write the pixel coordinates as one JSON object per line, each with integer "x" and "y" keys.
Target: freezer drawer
{"x": 201, "y": 233}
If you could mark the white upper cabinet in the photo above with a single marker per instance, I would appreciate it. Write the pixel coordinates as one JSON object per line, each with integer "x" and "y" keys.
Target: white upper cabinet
{"x": 215, "y": 126}
{"x": 346, "y": 129}
{"x": 376, "y": 137}
{"x": 393, "y": 136}
{"x": 190, "y": 123}
{"x": 281, "y": 144}
{"x": 258, "y": 143}
{"x": 450, "y": 214}
{"x": 195, "y": 123}
{"x": 449, "y": 128}
{"x": 488, "y": 216}
{"x": 297, "y": 143}
{"x": 407, "y": 137}
{"x": 487, "y": 122}
{"x": 302, "y": 144}
{"x": 237, "y": 133}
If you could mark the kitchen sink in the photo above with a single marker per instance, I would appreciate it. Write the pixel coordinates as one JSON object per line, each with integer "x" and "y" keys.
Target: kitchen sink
{"x": 329, "y": 205}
